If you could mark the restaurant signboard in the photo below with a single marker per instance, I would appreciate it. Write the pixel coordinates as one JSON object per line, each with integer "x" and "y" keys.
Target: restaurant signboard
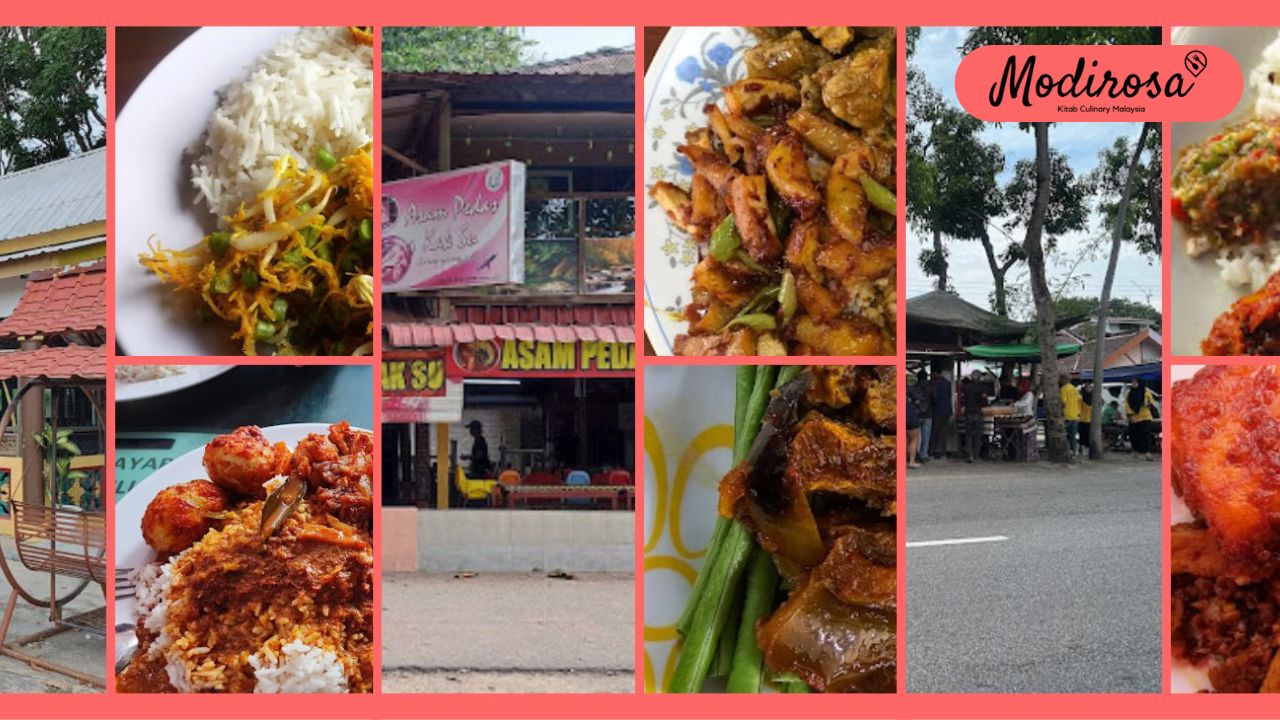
{"x": 415, "y": 388}
{"x": 455, "y": 229}
{"x": 536, "y": 358}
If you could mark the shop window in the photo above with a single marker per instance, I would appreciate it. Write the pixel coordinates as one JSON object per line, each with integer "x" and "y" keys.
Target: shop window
{"x": 551, "y": 245}
{"x": 610, "y": 257}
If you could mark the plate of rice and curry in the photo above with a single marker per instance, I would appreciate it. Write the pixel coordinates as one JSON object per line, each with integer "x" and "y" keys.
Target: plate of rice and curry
{"x": 244, "y": 186}
{"x": 246, "y": 566}
{"x": 771, "y": 224}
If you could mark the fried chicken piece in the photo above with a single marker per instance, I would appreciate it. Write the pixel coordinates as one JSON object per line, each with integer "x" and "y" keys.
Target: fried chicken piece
{"x": 1193, "y": 551}
{"x": 734, "y": 342}
{"x": 338, "y": 468}
{"x": 179, "y": 515}
{"x": 747, "y": 202}
{"x": 1226, "y": 458}
{"x": 1250, "y": 327}
{"x": 242, "y": 460}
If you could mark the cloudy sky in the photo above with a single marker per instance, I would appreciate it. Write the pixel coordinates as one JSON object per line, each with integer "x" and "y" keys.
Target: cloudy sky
{"x": 1137, "y": 278}
{"x": 554, "y": 43}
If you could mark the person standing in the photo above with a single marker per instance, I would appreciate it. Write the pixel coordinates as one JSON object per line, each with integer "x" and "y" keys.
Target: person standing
{"x": 1138, "y": 407}
{"x": 1086, "y": 416}
{"x": 481, "y": 466}
{"x": 1071, "y": 401}
{"x": 926, "y": 414}
{"x": 942, "y": 401}
{"x": 975, "y": 398}
{"x": 913, "y": 421}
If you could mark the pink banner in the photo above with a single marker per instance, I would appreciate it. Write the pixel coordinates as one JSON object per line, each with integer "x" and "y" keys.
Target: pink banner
{"x": 1102, "y": 83}
{"x": 461, "y": 228}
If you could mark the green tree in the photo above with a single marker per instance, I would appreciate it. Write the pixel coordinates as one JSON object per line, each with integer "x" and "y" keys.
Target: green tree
{"x": 1077, "y": 306}
{"x": 1039, "y": 215}
{"x": 454, "y": 49}
{"x": 52, "y": 82}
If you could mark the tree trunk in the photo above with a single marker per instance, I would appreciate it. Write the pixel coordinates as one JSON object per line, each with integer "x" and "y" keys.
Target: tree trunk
{"x": 997, "y": 276}
{"x": 1054, "y": 431}
{"x": 1100, "y": 335}
{"x": 938, "y": 252}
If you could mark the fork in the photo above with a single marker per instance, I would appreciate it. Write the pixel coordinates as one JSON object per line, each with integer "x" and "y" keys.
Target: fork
{"x": 125, "y": 586}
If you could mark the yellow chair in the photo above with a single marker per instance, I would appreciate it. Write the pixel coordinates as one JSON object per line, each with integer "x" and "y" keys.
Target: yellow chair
{"x": 474, "y": 489}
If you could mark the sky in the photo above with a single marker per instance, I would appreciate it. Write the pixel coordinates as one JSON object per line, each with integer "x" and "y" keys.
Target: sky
{"x": 1137, "y": 278}
{"x": 554, "y": 43}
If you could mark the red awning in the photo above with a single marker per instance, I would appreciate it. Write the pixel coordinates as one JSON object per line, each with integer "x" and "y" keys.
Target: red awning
{"x": 56, "y": 302}
{"x": 410, "y": 334}
{"x": 73, "y": 362}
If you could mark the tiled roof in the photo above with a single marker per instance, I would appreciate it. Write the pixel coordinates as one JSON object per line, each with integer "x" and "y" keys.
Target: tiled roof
{"x": 72, "y": 362}
{"x": 605, "y": 61}
{"x": 60, "y": 301}
{"x": 53, "y": 196}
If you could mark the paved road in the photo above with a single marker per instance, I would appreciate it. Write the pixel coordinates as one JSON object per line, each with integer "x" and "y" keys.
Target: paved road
{"x": 508, "y": 632}
{"x": 1070, "y": 602}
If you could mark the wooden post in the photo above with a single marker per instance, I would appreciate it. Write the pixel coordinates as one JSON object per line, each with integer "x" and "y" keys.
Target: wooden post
{"x": 442, "y": 466}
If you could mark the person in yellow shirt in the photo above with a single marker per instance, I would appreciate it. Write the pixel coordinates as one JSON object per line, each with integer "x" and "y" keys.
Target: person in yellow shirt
{"x": 1071, "y": 405}
{"x": 1138, "y": 404}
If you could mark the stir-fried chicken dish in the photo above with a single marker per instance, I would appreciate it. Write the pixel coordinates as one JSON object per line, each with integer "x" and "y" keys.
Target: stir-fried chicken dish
{"x": 792, "y": 203}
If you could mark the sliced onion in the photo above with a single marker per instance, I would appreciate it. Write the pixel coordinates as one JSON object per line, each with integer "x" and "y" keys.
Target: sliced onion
{"x": 250, "y": 242}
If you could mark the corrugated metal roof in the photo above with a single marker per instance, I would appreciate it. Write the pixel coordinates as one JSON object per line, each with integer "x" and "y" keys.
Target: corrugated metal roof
{"x": 53, "y": 196}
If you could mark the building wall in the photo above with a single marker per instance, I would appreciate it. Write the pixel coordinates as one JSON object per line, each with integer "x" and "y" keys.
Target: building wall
{"x": 518, "y": 540}
{"x": 10, "y": 292}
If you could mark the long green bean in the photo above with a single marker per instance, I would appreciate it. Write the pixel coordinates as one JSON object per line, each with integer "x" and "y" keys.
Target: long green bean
{"x": 881, "y": 197}
{"x": 748, "y": 660}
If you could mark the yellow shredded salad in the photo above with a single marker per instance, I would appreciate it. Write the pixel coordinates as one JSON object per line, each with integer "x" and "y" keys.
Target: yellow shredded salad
{"x": 291, "y": 273}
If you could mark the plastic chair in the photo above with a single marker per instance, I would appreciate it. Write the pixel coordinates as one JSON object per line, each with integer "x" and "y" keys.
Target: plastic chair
{"x": 578, "y": 478}
{"x": 474, "y": 489}
{"x": 509, "y": 477}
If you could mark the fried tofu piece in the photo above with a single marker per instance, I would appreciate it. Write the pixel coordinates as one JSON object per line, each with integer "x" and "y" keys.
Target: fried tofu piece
{"x": 707, "y": 207}
{"x": 787, "y": 167}
{"x": 747, "y": 201}
{"x": 830, "y": 456}
{"x": 737, "y": 342}
{"x": 711, "y": 165}
{"x": 723, "y": 283}
{"x": 1225, "y": 424}
{"x": 676, "y": 203}
{"x": 754, "y": 96}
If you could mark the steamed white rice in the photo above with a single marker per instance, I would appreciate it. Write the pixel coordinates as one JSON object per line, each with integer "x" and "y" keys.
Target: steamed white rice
{"x": 298, "y": 668}
{"x": 1249, "y": 267}
{"x": 313, "y": 91}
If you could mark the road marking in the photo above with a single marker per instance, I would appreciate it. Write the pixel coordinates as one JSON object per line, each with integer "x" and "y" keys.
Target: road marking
{"x": 957, "y": 541}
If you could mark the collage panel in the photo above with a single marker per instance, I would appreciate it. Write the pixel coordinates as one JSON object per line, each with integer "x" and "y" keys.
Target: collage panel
{"x": 244, "y": 191}
{"x": 1224, "y": 255}
{"x": 1221, "y": 562}
{"x": 771, "y": 191}
{"x": 770, "y": 529}
{"x": 508, "y": 366}
{"x": 53, "y": 360}
{"x": 1034, "y": 374}
{"x": 244, "y": 529}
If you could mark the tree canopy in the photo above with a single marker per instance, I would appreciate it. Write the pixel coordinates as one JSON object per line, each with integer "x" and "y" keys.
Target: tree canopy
{"x": 52, "y": 84}
{"x": 454, "y": 49}
{"x": 1142, "y": 221}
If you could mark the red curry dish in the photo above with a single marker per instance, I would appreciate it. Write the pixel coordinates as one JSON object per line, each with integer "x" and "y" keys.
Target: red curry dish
{"x": 256, "y": 587}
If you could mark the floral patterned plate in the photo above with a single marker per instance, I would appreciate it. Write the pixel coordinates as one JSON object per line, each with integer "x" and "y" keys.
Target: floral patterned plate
{"x": 687, "y": 73}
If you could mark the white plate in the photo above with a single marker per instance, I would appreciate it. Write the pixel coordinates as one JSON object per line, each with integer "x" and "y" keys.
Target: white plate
{"x": 1184, "y": 678}
{"x": 1197, "y": 294}
{"x": 688, "y": 431}
{"x": 168, "y": 113}
{"x": 191, "y": 375}
{"x": 688, "y": 71}
{"x": 131, "y": 550}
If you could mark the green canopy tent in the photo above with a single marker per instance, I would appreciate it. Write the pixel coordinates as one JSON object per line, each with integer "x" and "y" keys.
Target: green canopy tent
{"x": 1020, "y": 352}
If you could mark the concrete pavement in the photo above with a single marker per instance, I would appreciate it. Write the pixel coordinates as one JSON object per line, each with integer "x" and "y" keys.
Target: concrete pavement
{"x": 1069, "y": 602}
{"x": 508, "y": 632}
{"x": 83, "y": 651}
